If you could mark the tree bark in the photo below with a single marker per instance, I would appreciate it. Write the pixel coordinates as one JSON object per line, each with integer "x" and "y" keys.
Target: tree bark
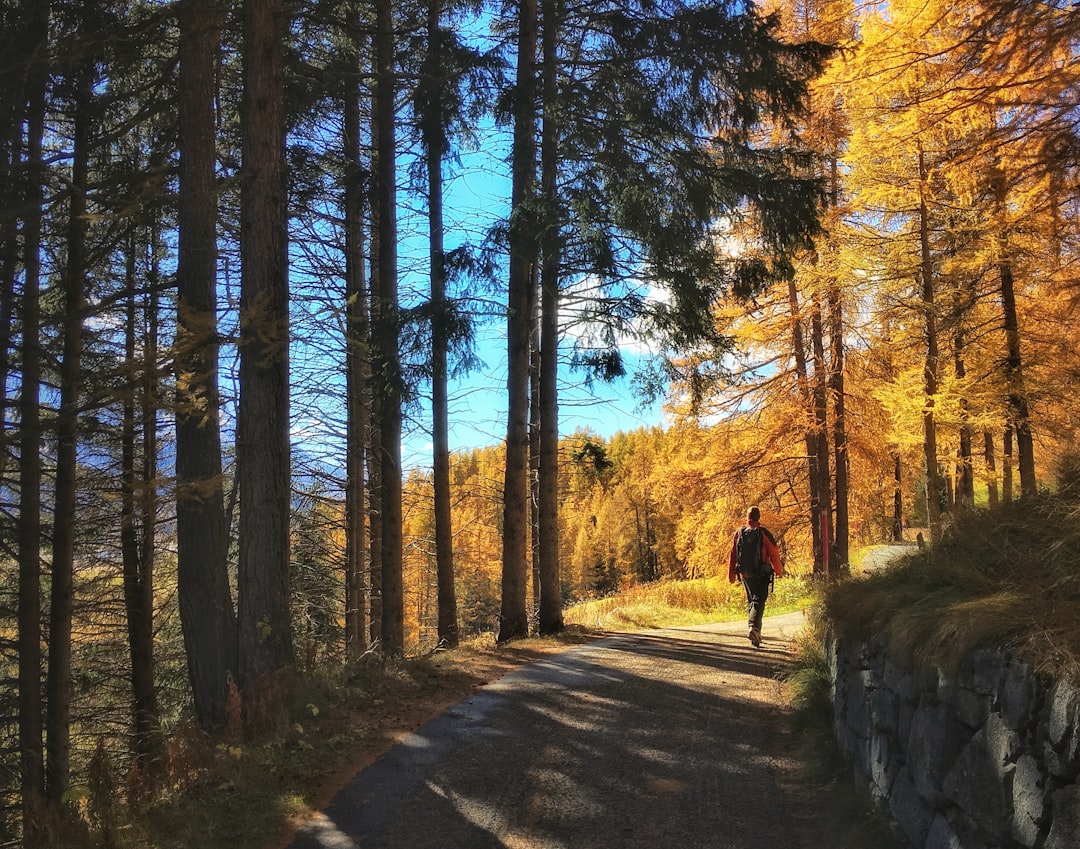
{"x": 930, "y": 367}
{"x": 965, "y": 489}
{"x": 822, "y": 446}
{"x": 139, "y": 511}
{"x": 31, "y": 755}
{"x": 264, "y": 629}
{"x": 387, "y": 363}
{"x": 62, "y": 600}
{"x": 991, "y": 468}
{"x": 839, "y": 429}
{"x": 435, "y": 138}
{"x": 1007, "y": 486}
{"x": 356, "y": 377}
{"x": 1016, "y": 400}
{"x": 206, "y": 609}
{"x": 513, "y": 619}
{"x": 898, "y": 499}
{"x": 798, "y": 345}
{"x": 550, "y": 600}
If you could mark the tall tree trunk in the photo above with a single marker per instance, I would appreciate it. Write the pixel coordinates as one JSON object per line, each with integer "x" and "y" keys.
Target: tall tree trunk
{"x": 836, "y": 387}
{"x": 62, "y": 599}
{"x": 1017, "y": 400}
{"x": 264, "y": 629}
{"x": 386, "y": 356}
{"x": 840, "y": 446}
{"x": 551, "y": 615}
{"x": 206, "y": 609}
{"x": 356, "y": 376}
{"x": 1007, "y": 487}
{"x": 822, "y": 446}
{"x": 534, "y": 460}
{"x": 138, "y": 511}
{"x": 376, "y": 493}
{"x": 965, "y": 488}
{"x": 930, "y": 368}
{"x": 898, "y": 499}
{"x": 802, "y": 378}
{"x": 513, "y": 619}
{"x": 10, "y": 200}
{"x": 435, "y": 144}
{"x": 991, "y": 468}
{"x": 31, "y": 755}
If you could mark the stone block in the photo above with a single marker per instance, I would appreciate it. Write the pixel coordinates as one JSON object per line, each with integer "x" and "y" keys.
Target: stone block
{"x": 980, "y": 780}
{"x": 1028, "y": 801}
{"x": 885, "y": 710}
{"x": 983, "y": 671}
{"x": 882, "y": 768}
{"x": 941, "y": 835}
{"x": 909, "y": 809}
{"x": 899, "y": 679}
{"x": 1065, "y": 826}
{"x": 1017, "y": 699}
{"x": 935, "y": 741}
{"x": 1061, "y": 713}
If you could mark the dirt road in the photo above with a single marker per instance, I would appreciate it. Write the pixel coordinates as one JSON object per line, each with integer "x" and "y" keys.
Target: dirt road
{"x": 669, "y": 738}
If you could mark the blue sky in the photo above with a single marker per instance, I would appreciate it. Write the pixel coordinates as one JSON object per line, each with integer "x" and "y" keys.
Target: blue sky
{"x": 477, "y": 194}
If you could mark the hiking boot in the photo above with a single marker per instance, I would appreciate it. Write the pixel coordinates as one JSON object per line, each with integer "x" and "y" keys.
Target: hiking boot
{"x": 754, "y": 636}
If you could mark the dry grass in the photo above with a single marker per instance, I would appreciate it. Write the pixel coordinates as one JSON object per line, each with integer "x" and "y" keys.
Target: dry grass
{"x": 674, "y": 603}
{"x": 1003, "y": 578}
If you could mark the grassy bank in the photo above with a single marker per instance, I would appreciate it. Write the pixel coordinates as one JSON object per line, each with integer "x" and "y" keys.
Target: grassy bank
{"x": 1009, "y": 577}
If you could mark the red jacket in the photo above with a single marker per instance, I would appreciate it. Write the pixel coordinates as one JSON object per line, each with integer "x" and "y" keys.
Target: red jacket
{"x": 769, "y": 552}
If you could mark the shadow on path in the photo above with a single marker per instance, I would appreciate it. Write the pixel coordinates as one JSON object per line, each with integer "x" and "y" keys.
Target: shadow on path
{"x": 669, "y": 738}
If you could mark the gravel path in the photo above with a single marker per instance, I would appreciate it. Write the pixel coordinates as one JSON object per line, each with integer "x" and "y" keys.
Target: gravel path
{"x": 668, "y": 738}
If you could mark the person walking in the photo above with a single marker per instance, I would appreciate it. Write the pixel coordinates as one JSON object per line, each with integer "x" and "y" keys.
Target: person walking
{"x": 754, "y": 559}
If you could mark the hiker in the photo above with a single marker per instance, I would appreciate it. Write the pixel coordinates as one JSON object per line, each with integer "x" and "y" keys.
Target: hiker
{"x": 754, "y": 559}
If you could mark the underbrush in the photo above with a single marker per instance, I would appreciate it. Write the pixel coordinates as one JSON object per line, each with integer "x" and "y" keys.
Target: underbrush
{"x": 674, "y": 603}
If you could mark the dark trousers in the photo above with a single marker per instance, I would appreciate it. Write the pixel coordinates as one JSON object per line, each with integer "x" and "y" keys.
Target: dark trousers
{"x": 757, "y": 593}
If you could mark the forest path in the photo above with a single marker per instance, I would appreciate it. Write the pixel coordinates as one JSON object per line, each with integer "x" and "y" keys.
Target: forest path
{"x": 676, "y": 737}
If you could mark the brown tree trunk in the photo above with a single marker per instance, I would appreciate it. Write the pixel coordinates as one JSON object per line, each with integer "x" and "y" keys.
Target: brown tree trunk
{"x": 139, "y": 512}
{"x": 898, "y": 499}
{"x": 965, "y": 486}
{"x": 1016, "y": 400}
{"x": 62, "y": 600}
{"x": 206, "y": 609}
{"x": 376, "y": 402}
{"x": 10, "y": 200}
{"x": 263, "y": 472}
{"x": 822, "y": 447}
{"x": 387, "y": 367}
{"x": 534, "y": 460}
{"x": 1007, "y": 466}
{"x": 991, "y": 468}
{"x": 513, "y": 619}
{"x": 802, "y": 378}
{"x": 839, "y": 429}
{"x": 551, "y": 615}
{"x": 356, "y": 378}
{"x": 930, "y": 368}
{"x": 440, "y": 415}
{"x": 31, "y": 754}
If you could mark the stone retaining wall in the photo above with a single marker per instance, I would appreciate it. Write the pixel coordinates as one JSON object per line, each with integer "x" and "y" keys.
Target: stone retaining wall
{"x": 984, "y": 758}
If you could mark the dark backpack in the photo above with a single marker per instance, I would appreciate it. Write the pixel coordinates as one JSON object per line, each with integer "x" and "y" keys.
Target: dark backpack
{"x": 748, "y": 554}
